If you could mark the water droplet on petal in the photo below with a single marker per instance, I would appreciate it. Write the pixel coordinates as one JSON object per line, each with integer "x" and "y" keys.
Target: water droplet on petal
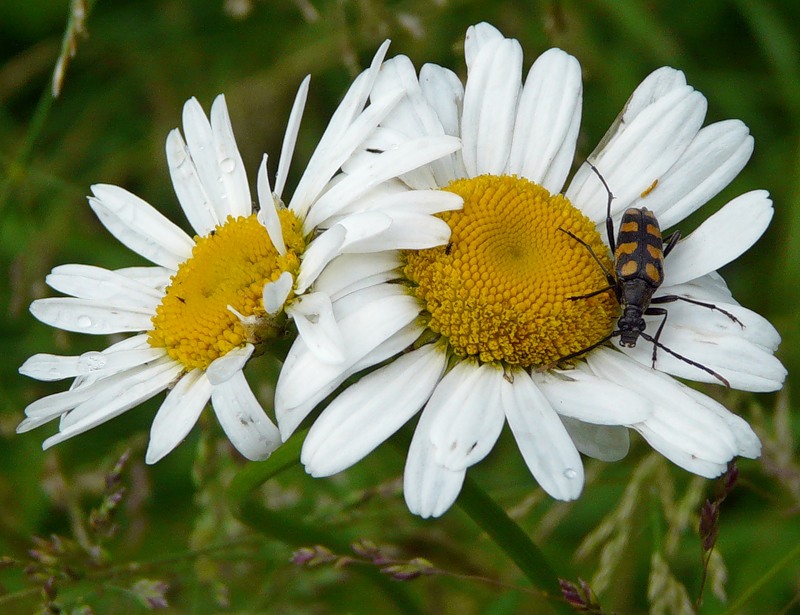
{"x": 94, "y": 360}
{"x": 84, "y": 322}
{"x": 227, "y": 165}
{"x": 570, "y": 473}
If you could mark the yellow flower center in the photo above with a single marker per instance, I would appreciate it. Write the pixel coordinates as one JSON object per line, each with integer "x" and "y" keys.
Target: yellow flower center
{"x": 507, "y": 286}
{"x": 228, "y": 267}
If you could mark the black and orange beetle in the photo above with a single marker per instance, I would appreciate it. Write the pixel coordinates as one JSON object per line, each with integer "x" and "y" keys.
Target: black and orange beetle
{"x": 639, "y": 253}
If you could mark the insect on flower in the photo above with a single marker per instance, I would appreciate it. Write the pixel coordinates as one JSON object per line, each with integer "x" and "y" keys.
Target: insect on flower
{"x": 639, "y": 252}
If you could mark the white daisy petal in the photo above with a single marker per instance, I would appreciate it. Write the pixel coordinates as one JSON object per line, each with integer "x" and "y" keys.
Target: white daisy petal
{"x": 113, "y": 398}
{"x": 429, "y": 488}
{"x": 370, "y": 411}
{"x": 348, "y": 127}
{"x": 548, "y": 120}
{"x": 542, "y": 439}
{"x": 319, "y": 253}
{"x": 444, "y": 92}
{"x": 214, "y": 174}
{"x": 490, "y": 103}
{"x": 157, "y": 278}
{"x": 351, "y": 272}
{"x": 268, "y": 214}
{"x": 276, "y": 293}
{"x": 720, "y": 238}
{"x": 228, "y": 365}
{"x": 407, "y": 157}
{"x": 103, "y": 286}
{"x": 48, "y": 367}
{"x": 716, "y": 342}
{"x": 712, "y": 160}
{"x": 196, "y": 204}
{"x": 231, "y": 176}
{"x": 467, "y": 416}
{"x": 140, "y": 227}
{"x": 304, "y": 375}
{"x": 667, "y": 442}
{"x": 243, "y": 419}
{"x": 405, "y": 232}
{"x": 639, "y": 153}
{"x": 178, "y": 414}
{"x": 290, "y": 137}
{"x": 87, "y": 316}
{"x": 313, "y": 315}
{"x": 603, "y": 442}
{"x": 477, "y": 38}
{"x": 581, "y": 395}
{"x": 678, "y": 425}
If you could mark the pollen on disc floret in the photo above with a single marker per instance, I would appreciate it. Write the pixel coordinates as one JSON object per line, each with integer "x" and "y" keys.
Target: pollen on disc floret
{"x": 506, "y": 286}
{"x": 228, "y": 267}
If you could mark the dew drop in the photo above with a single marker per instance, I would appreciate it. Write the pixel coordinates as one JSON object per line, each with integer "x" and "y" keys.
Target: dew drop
{"x": 94, "y": 360}
{"x": 84, "y": 322}
{"x": 227, "y": 165}
{"x": 570, "y": 473}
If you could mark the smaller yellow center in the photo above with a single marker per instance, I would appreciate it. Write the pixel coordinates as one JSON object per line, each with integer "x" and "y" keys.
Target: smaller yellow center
{"x": 505, "y": 287}
{"x": 228, "y": 267}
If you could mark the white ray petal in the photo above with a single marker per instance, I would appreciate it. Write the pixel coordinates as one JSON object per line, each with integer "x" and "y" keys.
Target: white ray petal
{"x": 290, "y": 137}
{"x": 639, "y": 153}
{"x": 229, "y": 172}
{"x": 268, "y": 213}
{"x": 303, "y": 375}
{"x": 490, "y": 103}
{"x": 275, "y": 293}
{"x": 114, "y": 398}
{"x": 318, "y": 254}
{"x": 371, "y": 410}
{"x": 87, "y": 316}
{"x": 203, "y": 149}
{"x": 178, "y": 414}
{"x": 349, "y": 126}
{"x": 408, "y": 156}
{"x": 103, "y": 286}
{"x": 313, "y": 315}
{"x": 467, "y": 415}
{"x": 347, "y": 272}
{"x": 227, "y": 366}
{"x": 721, "y": 238}
{"x": 196, "y": 203}
{"x": 581, "y": 395}
{"x": 548, "y": 119}
{"x": 712, "y": 160}
{"x": 48, "y": 367}
{"x": 604, "y": 442}
{"x": 139, "y": 227}
{"x": 542, "y": 439}
{"x": 243, "y": 419}
{"x": 428, "y": 487}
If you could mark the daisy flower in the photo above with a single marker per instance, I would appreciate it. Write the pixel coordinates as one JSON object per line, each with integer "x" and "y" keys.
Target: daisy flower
{"x": 500, "y": 324}
{"x": 211, "y": 301}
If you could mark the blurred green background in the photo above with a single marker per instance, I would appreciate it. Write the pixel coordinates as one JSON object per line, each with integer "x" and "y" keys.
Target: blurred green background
{"x": 135, "y": 65}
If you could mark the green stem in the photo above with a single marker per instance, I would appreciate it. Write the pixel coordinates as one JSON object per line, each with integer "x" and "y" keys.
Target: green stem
{"x": 513, "y": 541}
{"x": 288, "y": 529}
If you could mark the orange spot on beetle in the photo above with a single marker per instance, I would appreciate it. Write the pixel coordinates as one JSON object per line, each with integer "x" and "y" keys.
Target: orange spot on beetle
{"x": 626, "y": 248}
{"x": 629, "y": 268}
{"x": 655, "y": 252}
{"x": 652, "y": 272}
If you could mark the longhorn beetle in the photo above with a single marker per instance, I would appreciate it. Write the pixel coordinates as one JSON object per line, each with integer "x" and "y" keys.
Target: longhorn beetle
{"x": 639, "y": 253}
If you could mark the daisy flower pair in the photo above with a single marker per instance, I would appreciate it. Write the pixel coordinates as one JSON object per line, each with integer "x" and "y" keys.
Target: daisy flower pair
{"x": 472, "y": 309}
{"x": 211, "y": 301}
